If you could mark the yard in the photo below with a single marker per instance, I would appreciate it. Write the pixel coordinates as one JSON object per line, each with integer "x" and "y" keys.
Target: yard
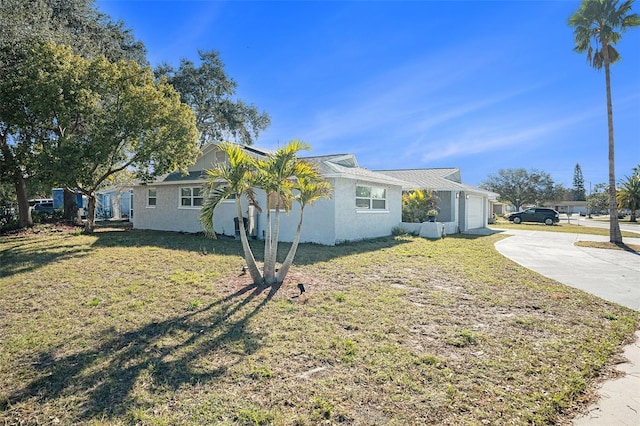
{"x": 133, "y": 327}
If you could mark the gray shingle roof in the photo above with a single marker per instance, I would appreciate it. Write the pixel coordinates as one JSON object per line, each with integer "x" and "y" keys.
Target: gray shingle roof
{"x": 346, "y": 166}
{"x": 446, "y": 179}
{"x": 179, "y": 177}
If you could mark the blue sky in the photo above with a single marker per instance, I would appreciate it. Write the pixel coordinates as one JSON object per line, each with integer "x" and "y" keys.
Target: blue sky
{"x": 479, "y": 85}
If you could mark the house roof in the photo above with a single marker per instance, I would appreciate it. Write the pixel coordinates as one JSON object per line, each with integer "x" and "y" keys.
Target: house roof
{"x": 249, "y": 148}
{"x": 346, "y": 166}
{"x": 196, "y": 176}
{"x": 179, "y": 177}
{"x": 445, "y": 179}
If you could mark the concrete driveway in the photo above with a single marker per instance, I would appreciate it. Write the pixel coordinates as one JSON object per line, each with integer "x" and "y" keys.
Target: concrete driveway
{"x": 613, "y": 275}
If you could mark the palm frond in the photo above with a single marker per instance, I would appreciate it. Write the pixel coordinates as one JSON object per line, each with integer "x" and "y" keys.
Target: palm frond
{"x": 628, "y": 196}
{"x": 599, "y": 24}
{"x": 212, "y": 197}
{"x": 237, "y": 177}
{"x": 310, "y": 190}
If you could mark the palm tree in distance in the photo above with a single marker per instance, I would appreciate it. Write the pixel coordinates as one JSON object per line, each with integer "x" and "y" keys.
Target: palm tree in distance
{"x": 598, "y": 26}
{"x": 629, "y": 195}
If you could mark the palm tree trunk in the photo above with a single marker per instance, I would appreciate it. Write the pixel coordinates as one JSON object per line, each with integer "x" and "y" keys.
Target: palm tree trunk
{"x": 614, "y": 228}
{"x": 269, "y": 269}
{"x": 267, "y": 237}
{"x": 288, "y": 261}
{"x": 254, "y": 272}
{"x": 270, "y": 261}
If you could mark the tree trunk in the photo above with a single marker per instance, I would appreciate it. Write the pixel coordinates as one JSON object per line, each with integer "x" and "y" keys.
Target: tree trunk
{"x": 267, "y": 268}
{"x": 614, "y": 228}
{"x": 24, "y": 212}
{"x": 270, "y": 261}
{"x": 288, "y": 261}
{"x": 254, "y": 272}
{"x": 70, "y": 205}
{"x": 19, "y": 183}
{"x": 89, "y": 225}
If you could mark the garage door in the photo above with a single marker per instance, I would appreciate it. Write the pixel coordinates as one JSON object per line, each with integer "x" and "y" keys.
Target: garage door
{"x": 475, "y": 212}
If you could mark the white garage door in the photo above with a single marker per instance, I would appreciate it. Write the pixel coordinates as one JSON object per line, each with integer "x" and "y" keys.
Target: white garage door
{"x": 475, "y": 212}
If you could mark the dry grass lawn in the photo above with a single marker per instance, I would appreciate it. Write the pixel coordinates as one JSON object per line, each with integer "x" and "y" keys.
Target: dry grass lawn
{"x": 129, "y": 327}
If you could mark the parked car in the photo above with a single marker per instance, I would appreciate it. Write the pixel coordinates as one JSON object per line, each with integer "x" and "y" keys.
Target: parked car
{"x": 536, "y": 214}
{"x": 43, "y": 209}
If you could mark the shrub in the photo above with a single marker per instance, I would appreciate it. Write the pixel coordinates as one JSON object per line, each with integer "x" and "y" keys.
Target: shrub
{"x": 398, "y": 231}
{"x": 417, "y": 205}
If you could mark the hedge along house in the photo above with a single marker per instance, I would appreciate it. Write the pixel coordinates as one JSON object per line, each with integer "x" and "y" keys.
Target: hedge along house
{"x": 364, "y": 204}
{"x": 461, "y": 207}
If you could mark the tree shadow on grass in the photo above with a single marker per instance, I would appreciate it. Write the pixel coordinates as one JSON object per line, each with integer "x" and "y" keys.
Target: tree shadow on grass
{"x": 307, "y": 253}
{"x": 28, "y": 255}
{"x": 628, "y": 248}
{"x": 22, "y": 255}
{"x": 102, "y": 380}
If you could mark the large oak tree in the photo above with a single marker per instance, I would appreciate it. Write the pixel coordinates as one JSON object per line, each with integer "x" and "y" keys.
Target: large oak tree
{"x": 521, "y": 187}
{"x": 210, "y": 92}
{"x": 103, "y": 118}
{"x": 25, "y": 25}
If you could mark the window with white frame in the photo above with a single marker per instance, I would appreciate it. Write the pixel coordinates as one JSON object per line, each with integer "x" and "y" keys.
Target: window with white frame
{"x": 152, "y": 197}
{"x": 371, "y": 198}
{"x": 191, "y": 196}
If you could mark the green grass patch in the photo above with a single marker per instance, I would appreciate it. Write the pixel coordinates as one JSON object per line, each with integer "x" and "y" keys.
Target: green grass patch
{"x": 559, "y": 227}
{"x": 132, "y": 327}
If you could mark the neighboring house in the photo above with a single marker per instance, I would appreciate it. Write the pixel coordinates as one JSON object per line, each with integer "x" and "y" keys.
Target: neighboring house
{"x": 569, "y": 207}
{"x": 114, "y": 203}
{"x": 364, "y": 204}
{"x": 498, "y": 209}
{"x": 461, "y": 207}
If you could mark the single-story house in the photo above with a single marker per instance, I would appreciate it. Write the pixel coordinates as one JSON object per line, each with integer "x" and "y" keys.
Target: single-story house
{"x": 364, "y": 204}
{"x": 569, "y": 207}
{"x": 461, "y": 207}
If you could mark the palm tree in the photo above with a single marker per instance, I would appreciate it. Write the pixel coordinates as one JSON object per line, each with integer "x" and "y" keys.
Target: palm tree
{"x": 284, "y": 178}
{"x": 598, "y": 25}
{"x": 629, "y": 195}
{"x": 278, "y": 175}
{"x": 310, "y": 189}
{"x": 237, "y": 178}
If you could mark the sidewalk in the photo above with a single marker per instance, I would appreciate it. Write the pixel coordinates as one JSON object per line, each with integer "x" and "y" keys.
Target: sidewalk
{"x": 613, "y": 275}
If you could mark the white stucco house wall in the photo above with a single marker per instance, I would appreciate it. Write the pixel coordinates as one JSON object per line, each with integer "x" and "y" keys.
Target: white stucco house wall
{"x": 461, "y": 207}
{"x": 364, "y": 204}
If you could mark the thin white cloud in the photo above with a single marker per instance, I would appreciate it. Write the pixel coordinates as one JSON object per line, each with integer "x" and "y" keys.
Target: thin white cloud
{"x": 500, "y": 136}
{"x": 186, "y": 39}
